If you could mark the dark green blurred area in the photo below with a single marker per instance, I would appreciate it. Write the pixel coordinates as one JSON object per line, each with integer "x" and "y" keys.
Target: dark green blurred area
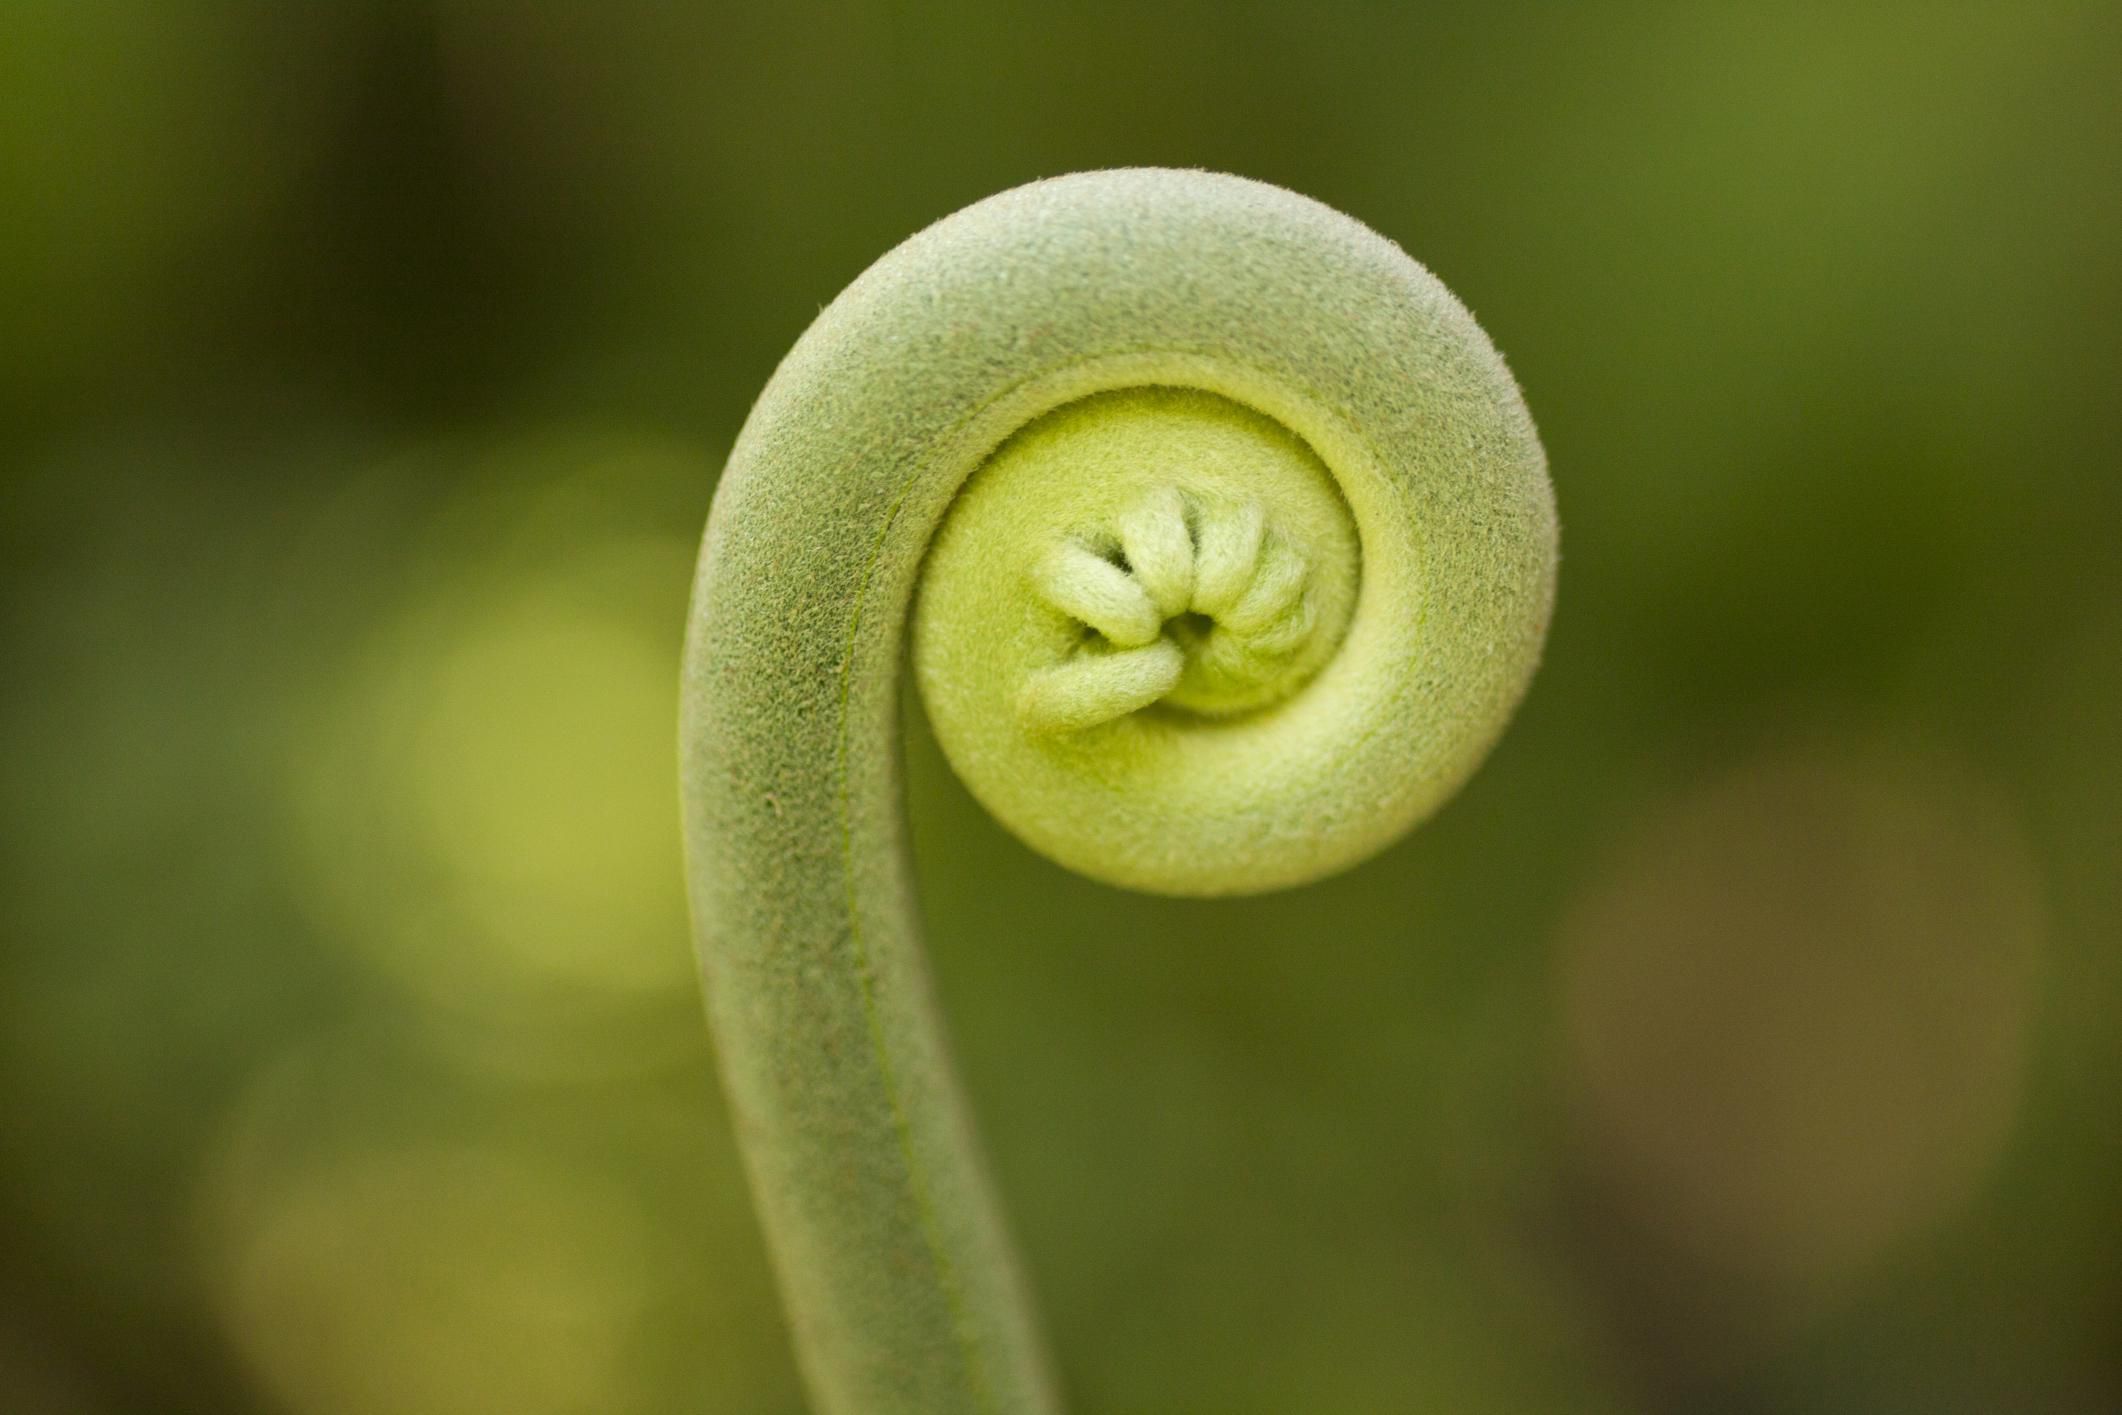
{"x": 1744, "y": 1039}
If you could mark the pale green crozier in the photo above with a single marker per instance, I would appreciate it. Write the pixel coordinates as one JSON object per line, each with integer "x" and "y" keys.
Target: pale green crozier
{"x": 1226, "y": 548}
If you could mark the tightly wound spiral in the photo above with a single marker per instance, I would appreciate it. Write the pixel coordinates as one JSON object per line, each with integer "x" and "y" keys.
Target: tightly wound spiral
{"x": 1226, "y": 548}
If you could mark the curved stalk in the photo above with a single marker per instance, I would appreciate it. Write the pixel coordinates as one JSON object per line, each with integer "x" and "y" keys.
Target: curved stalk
{"x": 1243, "y": 552}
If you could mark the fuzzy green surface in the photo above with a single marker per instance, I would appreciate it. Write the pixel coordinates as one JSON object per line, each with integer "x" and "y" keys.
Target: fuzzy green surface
{"x": 902, "y": 1292}
{"x": 1133, "y": 798}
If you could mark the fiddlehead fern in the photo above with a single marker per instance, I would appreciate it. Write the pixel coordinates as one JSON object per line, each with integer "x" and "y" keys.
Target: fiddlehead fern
{"x": 1226, "y": 548}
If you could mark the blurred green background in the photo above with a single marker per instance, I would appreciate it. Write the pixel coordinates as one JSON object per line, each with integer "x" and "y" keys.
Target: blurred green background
{"x": 1743, "y": 1039}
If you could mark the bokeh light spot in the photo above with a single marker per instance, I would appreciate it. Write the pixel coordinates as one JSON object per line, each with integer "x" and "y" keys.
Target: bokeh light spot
{"x": 1796, "y": 1006}
{"x": 538, "y": 755}
{"x": 482, "y": 797}
{"x": 439, "y": 1281}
